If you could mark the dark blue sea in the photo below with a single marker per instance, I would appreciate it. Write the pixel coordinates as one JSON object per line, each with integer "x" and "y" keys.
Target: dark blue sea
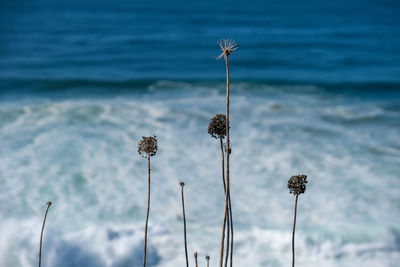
{"x": 315, "y": 89}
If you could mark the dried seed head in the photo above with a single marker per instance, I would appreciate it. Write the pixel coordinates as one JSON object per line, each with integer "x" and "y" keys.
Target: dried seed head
{"x": 182, "y": 183}
{"x": 207, "y": 258}
{"x": 297, "y": 184}
{"x": 148, "y": 146}
{"x": 195, "y": 255}
{"x": 227, "y": 46}
{"x": 217, "y": 126}
{"x": 49, "y": 203}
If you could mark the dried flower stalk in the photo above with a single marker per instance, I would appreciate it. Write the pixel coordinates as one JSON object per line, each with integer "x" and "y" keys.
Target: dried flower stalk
{"x": 217, "y": 129}
{"x": 147, "y": 148}
{"x": 227, "y": 47}
{"x": 41, "y": 233}
{"x": 184, "y": 223}
{"x": 297, "y": 186}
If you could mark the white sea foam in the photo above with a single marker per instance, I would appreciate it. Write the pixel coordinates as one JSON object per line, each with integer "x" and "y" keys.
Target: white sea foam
{"x": 82, "y": 154}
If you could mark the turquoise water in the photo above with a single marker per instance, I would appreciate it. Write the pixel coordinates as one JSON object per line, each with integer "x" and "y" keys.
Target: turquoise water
{"x": 315, "y": 90}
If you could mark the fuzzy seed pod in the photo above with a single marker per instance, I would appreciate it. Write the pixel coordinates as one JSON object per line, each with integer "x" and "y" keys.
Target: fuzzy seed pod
{"x": 148, "y": 146}
{"x": 297, "y": 184}
{"x": 217, "y": 126}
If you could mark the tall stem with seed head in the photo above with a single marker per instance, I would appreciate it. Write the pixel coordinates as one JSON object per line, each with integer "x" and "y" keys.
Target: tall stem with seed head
{"x": 148, "y": 211}
{"x": 41, "y": 233}
{"x": 147, "y": 148}
{"x": 297, "y": 186}
{"x": 227, "y": 47}
{"x": 227, "y": 161}
{"x": 294, "y": 228}
{"x": 184, "y": 223}
{"x": 208, "y": 260}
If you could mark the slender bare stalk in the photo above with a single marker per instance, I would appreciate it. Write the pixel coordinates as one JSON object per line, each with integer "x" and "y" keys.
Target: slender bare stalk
{"x": 41, "y": 233}
{"x": 208, "y": 260}
{"x": 148, "y": 211}
{"x": 223, "y": 162}
{"x": 224, "y": 183}
{"x": 231, "y": 223}
{"x": 294, "y": 228}
{"x": 229, "y": 218}
{"x": 230, "y": 215}
{"x": 184, "y": 223}
{"x": 195, "y": 259}
{"x": 228, "y": 235}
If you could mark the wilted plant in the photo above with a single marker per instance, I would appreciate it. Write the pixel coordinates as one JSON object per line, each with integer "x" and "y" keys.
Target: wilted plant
{"x": 227, "y": 47}
{"x": 41, "y": 233}
{"x": 297, "y": 186}
{"x": 217, "y": 126}
{"x": 184, "y": 223}
{"x": 147, "y": 147}
{"x": 217, "y": 129}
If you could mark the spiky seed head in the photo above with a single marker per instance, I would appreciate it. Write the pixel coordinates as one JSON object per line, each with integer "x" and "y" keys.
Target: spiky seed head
{"x": 297, "y": 184}
{"x": 227, "y": 46}
{"x": 207, "y": 258}
{"x": 182, "y": 183}
{"x": 148, "y": 146}
{"x": 49, "y": 203}
{"x": 217, "y": 126}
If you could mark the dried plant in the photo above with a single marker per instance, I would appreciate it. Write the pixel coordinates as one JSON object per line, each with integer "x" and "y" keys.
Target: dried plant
{"x": 227, "y": 47}
{"x": 208, "y": 260}
{"x": 217, "y": 129}
{"x": 217, "y": 126}
{"x": 41, "y": 233}
{"x": 147, "y": 147}
{"x": 195, "y": 259}
{"x": 184, "y": 223}
{"x": 297, "y": 186}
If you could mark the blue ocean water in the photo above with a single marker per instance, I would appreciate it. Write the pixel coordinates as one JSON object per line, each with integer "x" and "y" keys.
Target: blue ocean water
{"x": 315, "y": 90}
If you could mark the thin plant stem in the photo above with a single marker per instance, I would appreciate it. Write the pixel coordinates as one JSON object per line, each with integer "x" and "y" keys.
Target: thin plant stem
{"x": 184, "y": 223}
{"x": 224, "y": 183}
{"x": 195, "y": 259}
{"x": 223, "y": 163}
{"x": 41, "y": 233}
{"x": 148, "y": 211}
{"x": 231, "y": 223}
{"x": 227, "y": 239}
{"x": 227, "y": 164}
{"x": 229, "y": 218}
{"x": 208, "y": 261}
{"x": 294, "y": 229}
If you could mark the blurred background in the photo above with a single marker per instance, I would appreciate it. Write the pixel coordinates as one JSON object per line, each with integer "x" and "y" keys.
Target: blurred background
{"x": 315, "y": 90}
